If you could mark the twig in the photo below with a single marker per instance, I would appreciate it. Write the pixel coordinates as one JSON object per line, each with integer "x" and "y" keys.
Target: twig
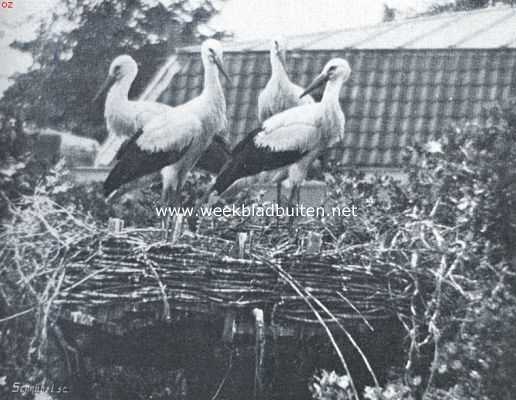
{"x": 85, "y": 279}
{"x": 299, "y": 291}
{"x": 18, "y": 314}
{"x": 432, "y": 326}
{"x": 225, "y": 377}
{"x": 162, "y": 287}
{"x": 357, "y": 310}
{"x": 349, "y": 336}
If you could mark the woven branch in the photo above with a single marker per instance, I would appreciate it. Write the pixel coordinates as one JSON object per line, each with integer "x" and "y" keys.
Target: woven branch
{"x": 108, "y": 277}
{"x": 126, "y": 269}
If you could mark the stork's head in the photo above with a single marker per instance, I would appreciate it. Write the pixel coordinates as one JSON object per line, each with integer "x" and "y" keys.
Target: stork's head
{"x": 279, "y": 49}
{"x": 212, "y": 54}
{"x": 336, "y": 70}
{"x": 122, "y": 67}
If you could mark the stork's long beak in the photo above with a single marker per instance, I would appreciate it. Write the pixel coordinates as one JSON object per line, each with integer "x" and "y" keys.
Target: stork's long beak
{"x": 220, "y": 66}
{"x": 320, "y": 80}
{"x": 104, "y": 87}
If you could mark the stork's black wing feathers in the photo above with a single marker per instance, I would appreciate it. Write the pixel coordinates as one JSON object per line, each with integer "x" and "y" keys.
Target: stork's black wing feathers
{"x": 133, "y": 163}
{"x": 126, "y": 144}
{"x": 222, "y": 144}
{"x": 215, "y": 157}
{"x": 245, "y": 141}
{"x": 248, "y": 160}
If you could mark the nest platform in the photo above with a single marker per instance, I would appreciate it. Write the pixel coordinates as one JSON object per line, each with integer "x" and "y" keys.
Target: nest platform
{"x": 120, "y": 282}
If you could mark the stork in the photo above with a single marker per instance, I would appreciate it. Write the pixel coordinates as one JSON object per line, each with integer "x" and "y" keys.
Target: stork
{"x": 292, "y": 138}
{"x": 125, "y": 117}
{"x": 175, "y": 140}
{"x": 279, "y": 95}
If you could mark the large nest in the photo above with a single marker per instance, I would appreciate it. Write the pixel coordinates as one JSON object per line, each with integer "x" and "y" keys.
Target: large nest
{"x": 63, "y": 265}
{"x": 75, "y": 268}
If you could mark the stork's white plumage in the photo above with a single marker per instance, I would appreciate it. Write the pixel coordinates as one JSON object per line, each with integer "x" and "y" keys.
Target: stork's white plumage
{"x": 292, "y": 138}
{"x": 280, "y": 93}
{"x": 123, "y": 117}
{"x": 174, "y": 140}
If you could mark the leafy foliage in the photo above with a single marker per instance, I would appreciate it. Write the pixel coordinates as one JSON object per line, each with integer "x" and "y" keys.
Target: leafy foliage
{"x": 19, "y": 171}
{"x": 465, "y": 181}
{"x": 441, "y": 6}
{"x": 330, "y": 386}
{"x": 457, "y": 5}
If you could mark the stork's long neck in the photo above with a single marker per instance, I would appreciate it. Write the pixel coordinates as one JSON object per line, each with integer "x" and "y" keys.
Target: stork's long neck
{"x": 119, "y": 92}
{"x": 277, "y": 68}
{"x": 212, "y": 87}
{"x": 214, "y": 102}
{"x": 332, "y": 112}
{"x": 331, "y": 93}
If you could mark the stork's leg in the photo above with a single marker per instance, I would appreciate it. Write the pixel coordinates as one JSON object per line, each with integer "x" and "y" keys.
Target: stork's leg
{"x": 164, "y": 204}
{"x": 278, "y": 193}
{"x": 172, "y": 178}
{"x": 177, "y": 221}
{"x": 294, "y": 193}
{"x": 280, "y": 178}
{"x": 278, "y": 199}
{"x": 169, "y": 218}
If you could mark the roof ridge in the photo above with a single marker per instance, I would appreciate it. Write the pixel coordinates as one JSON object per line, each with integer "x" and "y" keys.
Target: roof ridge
{"x": 387, "y": 25}
{"x": 430, "y": 32}
{"x": 449, "y": 14}
{"x": 485, "y": 28}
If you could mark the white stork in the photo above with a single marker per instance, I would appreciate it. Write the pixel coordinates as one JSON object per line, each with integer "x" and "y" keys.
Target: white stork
{"x": 175, "y": 140}
{"x": 125, "y": 117}
{"x": 292, "y": 138}
{"x": 279, "y": 95}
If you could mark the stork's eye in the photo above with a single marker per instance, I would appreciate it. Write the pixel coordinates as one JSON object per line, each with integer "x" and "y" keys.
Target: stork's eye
{"x": 117, "y": 70}
{"x": 331, "y": 71}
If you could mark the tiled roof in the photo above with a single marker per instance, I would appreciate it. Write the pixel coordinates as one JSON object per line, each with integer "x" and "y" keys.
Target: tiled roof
{"x": 394, "y": 97}
{"x": 492, "y": 27}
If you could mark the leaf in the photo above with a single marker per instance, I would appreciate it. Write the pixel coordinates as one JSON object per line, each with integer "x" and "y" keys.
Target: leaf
{"x": 433, "y": 147}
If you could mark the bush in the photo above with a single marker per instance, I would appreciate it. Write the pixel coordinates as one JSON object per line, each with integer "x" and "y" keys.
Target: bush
{"x": 456, "y": 215}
